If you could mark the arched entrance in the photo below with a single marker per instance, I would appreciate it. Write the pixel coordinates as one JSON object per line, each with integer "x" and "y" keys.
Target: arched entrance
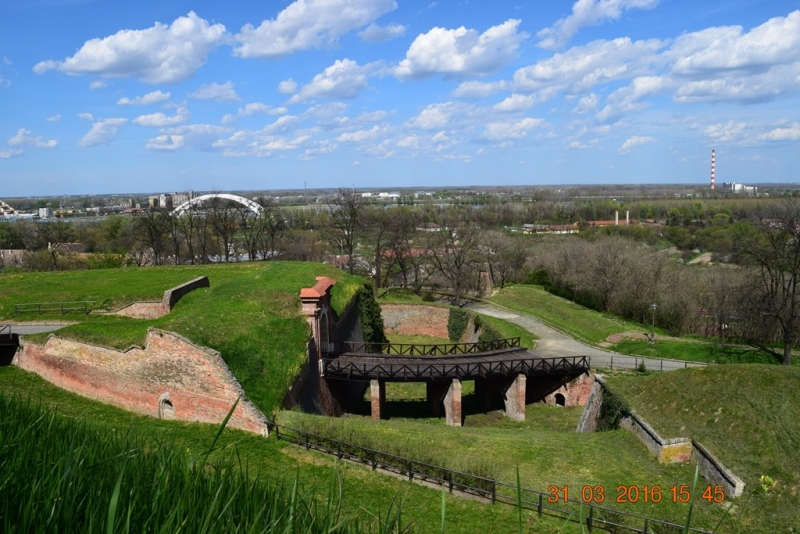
{"x": 560, "y": 399}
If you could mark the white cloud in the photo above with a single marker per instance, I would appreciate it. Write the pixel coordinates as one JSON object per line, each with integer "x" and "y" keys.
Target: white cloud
{"x": 438, "y": 116}
{"x": 161, "y": 120}
{"x": 633, "y": 142}
{"x": 4, "y": 82}
{"x": 627, "y": 99}
{"x": 6, "y": 61}
{"x": 102, "y": 132}
{"x": 361, "y": 136}
{"x": 728, "y": 132}
{"x": 306, "y": 24}
{"x": 790, "y": 133}
{"x": 287, "y": 87}
{"x": 257, "y": 107}
{"x": 85, "y": 117}
{"x": 54, "y": 118}
{"x": 479, "y": 89}
{"x": 586, "y": 104}
{"x": 508, "y": 130}
{"x": 166, "y": 143}
{"x": 161, "y": 54}
{"x": 97, "y": 84}
{"x": 461, "y": 52}
{"x": 588, "y": 13}
{"x": 581, "y": 68}
{"x": 150, "y": 98}
{"x": 25, "y": 137}
{"x": 344, "y": 79}
{"x": 283, "y": 124}
{"x": 374, "y": 33}
{"x": 201, "y": 137}
{"x": 214, "y": 91}
{"x": 515, "y": 102}
{"x": 10, "y": 153}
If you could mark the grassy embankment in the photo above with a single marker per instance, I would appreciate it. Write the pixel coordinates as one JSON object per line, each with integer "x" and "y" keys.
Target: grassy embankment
{"x": 42, "y": 476}
{"x": 748, "y": 416}
{"x": 594, "y": 328}
{"x": 250, "y": 314}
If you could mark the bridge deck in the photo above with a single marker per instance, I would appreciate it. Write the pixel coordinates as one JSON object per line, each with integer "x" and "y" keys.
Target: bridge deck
{"x": 504, "y": 362}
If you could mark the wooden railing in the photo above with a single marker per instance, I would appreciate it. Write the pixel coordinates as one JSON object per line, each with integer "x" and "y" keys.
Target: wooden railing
{"x": 83, "y": 306}
{"x": 424, "y": 349}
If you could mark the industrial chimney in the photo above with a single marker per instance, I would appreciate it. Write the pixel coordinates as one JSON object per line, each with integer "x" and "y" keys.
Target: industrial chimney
{"x": 713, "y": 164}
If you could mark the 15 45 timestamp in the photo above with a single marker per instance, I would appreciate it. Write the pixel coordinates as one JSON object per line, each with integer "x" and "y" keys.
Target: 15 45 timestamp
{"x": 634, "y": 494}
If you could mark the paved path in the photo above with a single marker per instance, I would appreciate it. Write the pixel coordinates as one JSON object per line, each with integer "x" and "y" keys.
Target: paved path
{"x": 553, "y": 343}
{"x": 23, "y": 329}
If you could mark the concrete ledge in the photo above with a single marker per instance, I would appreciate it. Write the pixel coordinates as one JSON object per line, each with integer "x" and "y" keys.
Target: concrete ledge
{"x": 716, "y": 473}
{"x": 666, "y": 450}
{"x": 172, "y": 296}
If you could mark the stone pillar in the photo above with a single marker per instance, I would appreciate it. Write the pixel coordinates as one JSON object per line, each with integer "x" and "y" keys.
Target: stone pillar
{"x": 452, "y": 404}
{"x": 515, "y": 398}
{"x": 377, "y": 390}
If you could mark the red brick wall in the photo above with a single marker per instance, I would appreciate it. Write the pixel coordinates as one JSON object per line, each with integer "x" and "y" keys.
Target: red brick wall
{"x": 411, "y": 320}
{"x": 200, "y": 385}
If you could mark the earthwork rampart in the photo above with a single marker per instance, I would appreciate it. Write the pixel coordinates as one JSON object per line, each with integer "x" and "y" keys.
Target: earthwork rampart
{"x": 156, "y": 309}
{"x": 170, "y": 377}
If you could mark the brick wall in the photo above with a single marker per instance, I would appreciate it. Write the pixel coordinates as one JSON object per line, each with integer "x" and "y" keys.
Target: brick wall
{"x": 195, "y": 380}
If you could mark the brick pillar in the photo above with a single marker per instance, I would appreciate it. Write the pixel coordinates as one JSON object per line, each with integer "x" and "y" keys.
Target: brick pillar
{"x": 515, "y": 398}
{"x": 452, "y": 403}
{"x": 377, "y": 393}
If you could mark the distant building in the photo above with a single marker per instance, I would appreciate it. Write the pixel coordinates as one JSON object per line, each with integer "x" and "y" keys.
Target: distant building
{"x": 739, "y": 188}
{"x": 45, "y": 213}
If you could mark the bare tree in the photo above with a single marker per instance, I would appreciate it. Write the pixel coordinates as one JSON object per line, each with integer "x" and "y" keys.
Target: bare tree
{"x": 346, "y": 211}
{"x": 504, "y": 255}
{"x": 773, "y": 250}
{"x": 152, "y": 229}
{"x": 378, "y": 225}
{"x": 452, "y": 252}
{"x": 223, "y": 221}
{"x": 274, "y": 225}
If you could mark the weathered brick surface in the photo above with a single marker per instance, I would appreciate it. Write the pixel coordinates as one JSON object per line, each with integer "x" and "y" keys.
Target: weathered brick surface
{"x": 143, "y": 310}
{"x": 199, "y": 383}
{"x": 411, "y": 320}
{"x": 576, "y": 392}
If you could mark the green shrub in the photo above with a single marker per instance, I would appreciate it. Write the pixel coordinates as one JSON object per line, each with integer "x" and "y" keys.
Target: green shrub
{"x": 369, "y": 316}
{"x": 457, "y": 324}
{"x": 614, "y": 408}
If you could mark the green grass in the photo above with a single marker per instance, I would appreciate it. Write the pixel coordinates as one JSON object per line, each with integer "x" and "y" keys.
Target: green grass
{"x": 274, "y": 464}
{"x": 746, "y": 415}
{"x": 694, "y": 351}
{"x": 545, "y": 448}
{"x": 250, "y": 313}
{"x": 574, "y": 319}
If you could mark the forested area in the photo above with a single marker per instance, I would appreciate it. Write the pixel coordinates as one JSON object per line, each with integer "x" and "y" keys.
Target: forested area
{"x": 748, "y": 292}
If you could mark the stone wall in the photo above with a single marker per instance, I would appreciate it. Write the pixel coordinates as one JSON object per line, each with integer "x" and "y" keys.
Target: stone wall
{"x": 666, "y": 450}
{"x": 575, "y": 392}
{"x": 171, "y": 375}
{"x": 414, "y": 320}
{"x": 172, "y": 296}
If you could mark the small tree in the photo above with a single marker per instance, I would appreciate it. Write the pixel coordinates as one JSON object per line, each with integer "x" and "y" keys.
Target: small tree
{"x": 346, "y": 212}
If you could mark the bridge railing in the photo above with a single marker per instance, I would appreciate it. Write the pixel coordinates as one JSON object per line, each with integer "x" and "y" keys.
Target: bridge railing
{"x": 428, "y": 349}
{"x": 591, "y": 514}
{"x": 83, "y": 306}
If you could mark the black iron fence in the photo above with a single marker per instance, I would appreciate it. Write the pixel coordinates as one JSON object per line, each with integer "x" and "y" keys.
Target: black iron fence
{"x": 83, "y": 306}
{"x": 590, "y": 514}
{"x": 438, "y": 349}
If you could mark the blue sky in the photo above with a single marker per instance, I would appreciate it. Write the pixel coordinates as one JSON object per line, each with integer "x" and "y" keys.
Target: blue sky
{"x": 111, "y": 96}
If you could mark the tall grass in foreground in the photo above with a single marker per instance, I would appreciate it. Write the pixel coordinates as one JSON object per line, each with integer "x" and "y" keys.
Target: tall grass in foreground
{"x": 59, "y": 475}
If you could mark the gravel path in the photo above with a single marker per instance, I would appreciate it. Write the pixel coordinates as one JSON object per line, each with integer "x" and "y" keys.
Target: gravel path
{"x": 553, "y": 343}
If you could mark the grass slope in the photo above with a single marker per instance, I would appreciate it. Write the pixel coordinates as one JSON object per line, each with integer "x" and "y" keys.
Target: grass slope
{"x": 250, "y": 314}
{"x": 365, "y": 494}
{"x": 747, "y": 415}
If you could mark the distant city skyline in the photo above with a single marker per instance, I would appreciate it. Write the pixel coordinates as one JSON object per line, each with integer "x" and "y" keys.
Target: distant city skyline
{"x": 105, "y": 96}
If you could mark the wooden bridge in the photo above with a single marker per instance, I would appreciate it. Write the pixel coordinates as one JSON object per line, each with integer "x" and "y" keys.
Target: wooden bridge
{"x": 499, "y": 368}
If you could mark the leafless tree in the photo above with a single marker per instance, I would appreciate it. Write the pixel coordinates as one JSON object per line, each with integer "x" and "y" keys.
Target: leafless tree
{"x": 152, "y": 229}
{"x": 346, "y": 211}
{"x": 773, "y": 251}
{"x": 223, "y": 221}
{"x": 452, "y": 252}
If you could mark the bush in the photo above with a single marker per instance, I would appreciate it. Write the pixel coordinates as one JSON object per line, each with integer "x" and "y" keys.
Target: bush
{"x": 369, "y": 316}
{"x": 457, "y": 324}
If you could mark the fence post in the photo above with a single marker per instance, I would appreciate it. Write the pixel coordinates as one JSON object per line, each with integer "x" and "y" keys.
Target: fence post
{"x": 410, "y": 471}
{"x": 450, "y": 481}
{"x": 539, "y": 508}
{"x": 645, "y": 526}
{"x": 589, "y": 519}
{"x": 612, "y": 362}
{"x": 494, "y": 491}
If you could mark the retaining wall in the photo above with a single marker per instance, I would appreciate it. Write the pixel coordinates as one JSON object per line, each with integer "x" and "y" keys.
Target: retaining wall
{"x": 666, "y": 450}
{"x": 170, "y": 375}
{"x": 417, "y": 320}
{"x": 172, "y": 296}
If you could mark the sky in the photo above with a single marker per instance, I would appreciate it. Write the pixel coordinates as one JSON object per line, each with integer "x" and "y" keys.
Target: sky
{"x": 112, "y": 96}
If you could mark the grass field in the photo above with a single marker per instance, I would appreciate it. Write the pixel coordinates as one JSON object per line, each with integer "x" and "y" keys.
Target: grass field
{"x": 580, "y": 322}
{"x": 747, "y": 415}
{"x": 250, "y": 313}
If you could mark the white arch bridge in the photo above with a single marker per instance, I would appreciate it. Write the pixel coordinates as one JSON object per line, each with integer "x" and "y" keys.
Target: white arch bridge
{"x": 186, "y": 206}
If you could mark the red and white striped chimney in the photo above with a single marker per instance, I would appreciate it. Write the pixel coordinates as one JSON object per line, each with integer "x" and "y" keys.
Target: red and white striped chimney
{"x": 713, "y": 167}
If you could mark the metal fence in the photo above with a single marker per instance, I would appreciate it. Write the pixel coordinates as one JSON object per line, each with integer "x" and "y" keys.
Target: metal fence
{"x": 592, "y": 515}
{"x": 83, "y": 306}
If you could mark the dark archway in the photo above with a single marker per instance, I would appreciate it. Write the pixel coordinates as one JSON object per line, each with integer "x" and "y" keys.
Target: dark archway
{"x": 561, "y": 400}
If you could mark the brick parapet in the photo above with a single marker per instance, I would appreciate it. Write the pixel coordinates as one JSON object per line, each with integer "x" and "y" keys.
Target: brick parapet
{"x": 199, "y": 384}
